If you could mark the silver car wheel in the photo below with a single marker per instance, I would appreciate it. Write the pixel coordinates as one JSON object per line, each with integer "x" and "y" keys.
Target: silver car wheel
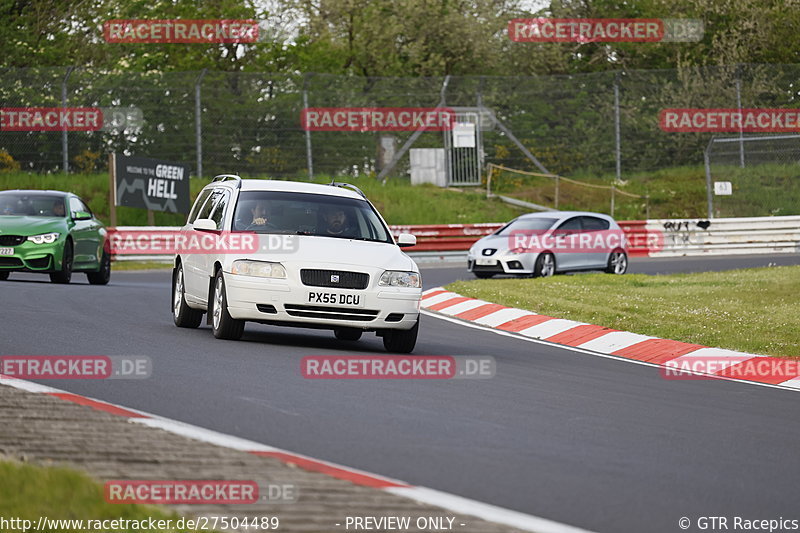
{"x": 177, "y": 298}
{"x": 548, "y": 266}
{"x": 217, "y": 315}
{"x": 620, "y": 262}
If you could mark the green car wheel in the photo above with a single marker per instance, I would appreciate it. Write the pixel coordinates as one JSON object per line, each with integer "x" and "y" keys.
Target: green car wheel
{"x": 102, "y": 276}
{"x": 65, "y": 274}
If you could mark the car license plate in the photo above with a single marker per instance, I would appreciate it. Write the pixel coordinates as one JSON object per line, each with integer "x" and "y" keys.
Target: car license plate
{"x": 6, "y": 251}
{"x": 335, "y": 298}
{"x": 486, "y": 262}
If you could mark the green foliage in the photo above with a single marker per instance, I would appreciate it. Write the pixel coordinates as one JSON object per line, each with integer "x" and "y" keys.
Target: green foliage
{"x": 410, "y": 38}
{"x": 7, "y": 162}
{"x": 86, "y": 161}
{"x": 29, "y": 492}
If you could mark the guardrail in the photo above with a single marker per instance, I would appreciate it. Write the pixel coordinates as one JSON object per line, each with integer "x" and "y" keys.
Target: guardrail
{"x": 654, "y": 238}
{"x": 719, "y": 236}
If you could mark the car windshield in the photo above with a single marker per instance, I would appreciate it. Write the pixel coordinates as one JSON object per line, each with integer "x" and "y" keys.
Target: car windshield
{"x": 32, "y": 205}
{"x": 527, "y": 224}
{"x": 308, "y": 214}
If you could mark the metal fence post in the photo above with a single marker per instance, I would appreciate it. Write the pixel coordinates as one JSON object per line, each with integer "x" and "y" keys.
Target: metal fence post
{"x": 739, "y": 108}
{"x": 64, "y": 137}
{"x": 198, "y": 125}
{"x": 709, "y": 197}
{"x": 617, "y": 143}
{"x": 309, "y": 153}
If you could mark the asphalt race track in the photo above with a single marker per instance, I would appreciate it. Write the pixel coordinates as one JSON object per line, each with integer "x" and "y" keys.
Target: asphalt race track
{"x": 594, "y": 442}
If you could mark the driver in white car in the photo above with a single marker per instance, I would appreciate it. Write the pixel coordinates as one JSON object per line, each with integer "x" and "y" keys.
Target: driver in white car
{"x": 336, "y": 222}
{"x": 260, "y": 214}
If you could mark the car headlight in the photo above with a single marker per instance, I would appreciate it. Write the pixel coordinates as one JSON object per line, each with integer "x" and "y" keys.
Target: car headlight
{"x": 397, "y": 278}
{"x": 45, "y": 238}
{"x": 259, "y": 269}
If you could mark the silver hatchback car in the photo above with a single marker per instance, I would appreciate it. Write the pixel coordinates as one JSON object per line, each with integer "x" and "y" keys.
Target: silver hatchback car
{"x": 543, "y": 244}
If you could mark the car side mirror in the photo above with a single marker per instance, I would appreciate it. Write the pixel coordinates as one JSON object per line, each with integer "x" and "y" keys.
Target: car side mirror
{"x": 81, "y": 215}
{"x": 404, "y": 240}
{"x": 204, "y": 224}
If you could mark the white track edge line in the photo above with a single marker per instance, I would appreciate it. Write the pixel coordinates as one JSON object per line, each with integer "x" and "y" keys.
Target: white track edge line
{"x": 512, "y": 334}
{"x": 485, "y": 511}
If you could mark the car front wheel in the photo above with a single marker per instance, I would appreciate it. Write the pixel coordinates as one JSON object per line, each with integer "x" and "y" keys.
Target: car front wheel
{"x": 223, "y": 324}
{"x": 102, "y": 276}
{"x": 183, "y": 315}
{"x": 401, "y": 340}
{"x": 617, "y": 262}
{"x": 65, "y": 274}
{"x": 545, "y": 265}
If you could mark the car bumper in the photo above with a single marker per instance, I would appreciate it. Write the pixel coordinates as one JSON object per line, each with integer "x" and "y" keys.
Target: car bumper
{"x": 33, "y": 257}
{"x": 503, "y": 264}
{"x": 278, "y": 301}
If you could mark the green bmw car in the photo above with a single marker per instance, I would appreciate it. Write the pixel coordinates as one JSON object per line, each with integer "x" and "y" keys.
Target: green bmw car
{"x": 53, "y": 233}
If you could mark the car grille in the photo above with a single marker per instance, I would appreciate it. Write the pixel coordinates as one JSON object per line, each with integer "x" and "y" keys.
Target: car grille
{"x": 333, "y": 313}
{"x": 11, "y": 240}
{"x": 498, "y": 268}
{"x": 10, "y": 262}
{"x": 42, "y": 262}
{"x": 322, "y": 278}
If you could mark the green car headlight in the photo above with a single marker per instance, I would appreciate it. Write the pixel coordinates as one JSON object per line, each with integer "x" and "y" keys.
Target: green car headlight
{"x": 397, "y": 278}
{"x": 259, "y": 269}
{"x": 45, "y": 238}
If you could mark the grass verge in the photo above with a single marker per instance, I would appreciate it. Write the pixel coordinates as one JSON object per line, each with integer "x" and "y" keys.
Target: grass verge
{"x": 30, "y": 491}
{"x": 750, "y": 310}
{"x": 139, "y": 265}
{"x": 398, "y": 201}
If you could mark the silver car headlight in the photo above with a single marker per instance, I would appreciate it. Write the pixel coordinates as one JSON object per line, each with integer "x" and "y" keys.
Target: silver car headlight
{"x": 45, "y": 238}
{"x": 259, "y": 269}
{"x": 398, "y": 278}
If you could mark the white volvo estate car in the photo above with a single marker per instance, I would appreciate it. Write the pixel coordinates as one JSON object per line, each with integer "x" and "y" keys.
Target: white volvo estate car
{"x": 294, "y": 254}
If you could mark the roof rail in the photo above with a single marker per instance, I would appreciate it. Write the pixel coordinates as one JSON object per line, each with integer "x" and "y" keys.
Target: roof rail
{"x": 348, "y": 186}
{"x": 225, "y": 177}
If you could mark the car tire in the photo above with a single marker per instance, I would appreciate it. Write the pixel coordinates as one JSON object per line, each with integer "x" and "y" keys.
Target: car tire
{"x": 65, "y": 274}
{"x": 222, "y": 324}
{"x": 183, "y": 315}
{"x": 617, "y": 263}
{"x": 483, "y": 275}
{"x": 4, "y": 276}
{"x": 102, "y": 276}
{"x": 401, "y": 340}
{"x": 348, "y": 334}
{"x": 545, "y": 265}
